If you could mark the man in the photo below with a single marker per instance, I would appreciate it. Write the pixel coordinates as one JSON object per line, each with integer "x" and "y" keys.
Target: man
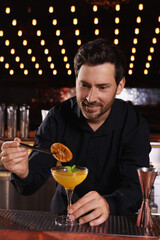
{"x": 104, "y": 134}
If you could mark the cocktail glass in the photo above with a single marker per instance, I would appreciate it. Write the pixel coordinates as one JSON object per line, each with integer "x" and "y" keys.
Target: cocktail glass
{"x": 69, "y": 180}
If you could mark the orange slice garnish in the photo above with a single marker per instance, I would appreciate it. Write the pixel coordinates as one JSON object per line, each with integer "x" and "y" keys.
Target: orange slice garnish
{"x": 61, "y": 152}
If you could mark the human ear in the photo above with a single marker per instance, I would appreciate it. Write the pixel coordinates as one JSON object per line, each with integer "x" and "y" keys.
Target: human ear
{"x": 121, "y": 86}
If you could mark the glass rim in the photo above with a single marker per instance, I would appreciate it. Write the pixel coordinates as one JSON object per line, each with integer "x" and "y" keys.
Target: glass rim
{"x": 64, "y": 167}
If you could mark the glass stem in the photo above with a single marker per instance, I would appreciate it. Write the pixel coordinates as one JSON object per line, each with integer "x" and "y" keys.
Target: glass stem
{"x": 69, "y": 193}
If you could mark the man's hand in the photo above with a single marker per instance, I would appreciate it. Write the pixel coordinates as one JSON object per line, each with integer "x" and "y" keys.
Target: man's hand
{"x": 15, "y": 158}
{"x": 93, "y": 204}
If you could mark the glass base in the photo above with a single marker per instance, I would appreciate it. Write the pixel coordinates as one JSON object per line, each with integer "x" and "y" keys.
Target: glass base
{"x": 65, "y": 221}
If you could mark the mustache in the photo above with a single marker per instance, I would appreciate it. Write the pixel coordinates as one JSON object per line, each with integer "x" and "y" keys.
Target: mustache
{"x": 92, "y": 104}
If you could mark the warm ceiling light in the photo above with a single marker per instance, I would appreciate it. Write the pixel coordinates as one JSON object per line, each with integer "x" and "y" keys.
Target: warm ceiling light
{"x": 11, "y": 72}
{"x": 51, "y": 9}
{"x": 33, "y": 58}
{"x": 73, "y": 8}
{"x": 149, "y": 58}
{"x": 1, "y": 33}
{"x": 96, "y": 20}
{"x": 14, "y": 22}
{"x": 79, "y": 42}
{"x": 60, "y": 42}
{"x": 37, "y": 65}
{"x": 157, "y": 31}
{"x": 40, "y": 72}
{"x": 116, "y": 31}
{"x": 12, "y": 51}
{"x": 131, "y": 65}
{"x": 67, "y": 65}
{"x": 49, "y": 59}
{"x": 130, "y": 71}
{"x": 136, "y": 30}
{"x": 21, "y": 65}
{"x": 77, "y": 32}
{"x": 46, "y": 51}
{"x": 8, "y": 10}
{"x": 116, "y": 41}
{"x": 38, "y": 33}
{"x": 29, "y": 51}
{"x": 42, "y": 42}
{"x": 75, "y": 21}
{"x": 63, "y": 50}
{"x": 54, "y": 22}
{"x": 140, "y": 6}
{"x": 117, "y": 7}
{"x": 135, "y": 41}
{"x": 65, "y": 59}
{"x": 69, "y": 72}
{"x": 154, "y": 40}
{"x": 1, "y": 59}
{"x": 25, "y": 72}
{"x": 159, "y": 19}
{"x": 151, "y": 49}
{"x": 147, "y": 65}
{"x": 34, "y": 22}
{"x": 138, "y": 20}
{"x": 95, "y": 8}
{"x": 17, "y": 58}
{"x": 96, "y": 31}
{"x": 20, "y": 33}
{"x": 117, "y": 20}
{"x": 6, "y": 65}
{"x": 133, "y": 50}
{"x": 54, "y": 72}
{"x": 145, "y": 71}
{"x": 58, "y": 33}
{"x": 52, "y": 65}
{"x": 24, "y": 42}
{"x": 7, "y": 42}
{"x": 132, "y": 58}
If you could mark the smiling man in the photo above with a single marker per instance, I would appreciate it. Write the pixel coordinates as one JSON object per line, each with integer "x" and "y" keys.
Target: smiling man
{"x": 105, "y": 134}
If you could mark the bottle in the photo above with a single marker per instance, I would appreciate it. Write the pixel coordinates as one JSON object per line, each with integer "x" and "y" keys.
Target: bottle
{"x": 2, "y": 120}
{"x": 24, "y": 121}
{"x": 12, "y": 121}
{"x": 152, "y": 204}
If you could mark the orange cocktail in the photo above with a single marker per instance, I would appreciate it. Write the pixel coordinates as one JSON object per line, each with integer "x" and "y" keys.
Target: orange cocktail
{"x": 69, "y": 180}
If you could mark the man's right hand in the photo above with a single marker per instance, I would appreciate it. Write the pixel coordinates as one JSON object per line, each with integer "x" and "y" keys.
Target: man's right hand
{"x": 15, "y": 158}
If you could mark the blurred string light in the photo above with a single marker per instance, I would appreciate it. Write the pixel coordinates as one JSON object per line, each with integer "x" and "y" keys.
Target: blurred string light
{"x": 42, "y": 42}
{"x": 12, "y": 50}
{"x": 75, "y": 22}
{"x": 135, "y": 38}
{"x": 95, "y": 20}
{"x": 58, "y": 34}
{"x": 152, "y": 49}
{"x": 117, "y": 22}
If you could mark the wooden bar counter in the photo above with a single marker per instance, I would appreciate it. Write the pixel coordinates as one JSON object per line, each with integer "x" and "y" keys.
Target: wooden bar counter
{"x": 38, "y": 225}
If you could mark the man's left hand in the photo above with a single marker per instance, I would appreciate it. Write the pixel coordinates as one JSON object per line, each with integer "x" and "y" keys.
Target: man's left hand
{"x": 93, "y": 204}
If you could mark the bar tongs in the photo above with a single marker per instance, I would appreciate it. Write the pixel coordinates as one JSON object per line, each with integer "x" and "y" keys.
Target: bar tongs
{"x": 39, "y": 149}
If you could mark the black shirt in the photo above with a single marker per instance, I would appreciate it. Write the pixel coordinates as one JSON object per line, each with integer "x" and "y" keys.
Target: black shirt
{"x": 112, "y": 154}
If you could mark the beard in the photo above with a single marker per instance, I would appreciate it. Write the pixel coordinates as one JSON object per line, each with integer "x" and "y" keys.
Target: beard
{"x": 90, "y": 113}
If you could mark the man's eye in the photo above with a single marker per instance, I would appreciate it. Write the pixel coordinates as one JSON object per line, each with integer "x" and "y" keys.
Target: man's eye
{"x": 103, "y": 87}
{"x": 83, "y": 85}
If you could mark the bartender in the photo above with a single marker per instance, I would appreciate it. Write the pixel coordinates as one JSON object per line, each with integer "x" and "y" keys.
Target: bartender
{"x": 106, "y": 135}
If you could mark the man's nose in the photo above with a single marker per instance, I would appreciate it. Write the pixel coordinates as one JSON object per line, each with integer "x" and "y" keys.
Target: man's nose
{"x": 92, "y": 95}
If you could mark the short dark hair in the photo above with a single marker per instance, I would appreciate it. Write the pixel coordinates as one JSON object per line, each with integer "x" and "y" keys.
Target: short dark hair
{"x": 101, "y": 51}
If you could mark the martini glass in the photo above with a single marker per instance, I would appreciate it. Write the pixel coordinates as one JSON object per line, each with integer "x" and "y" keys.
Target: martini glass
{"x": 69, "y": 180}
